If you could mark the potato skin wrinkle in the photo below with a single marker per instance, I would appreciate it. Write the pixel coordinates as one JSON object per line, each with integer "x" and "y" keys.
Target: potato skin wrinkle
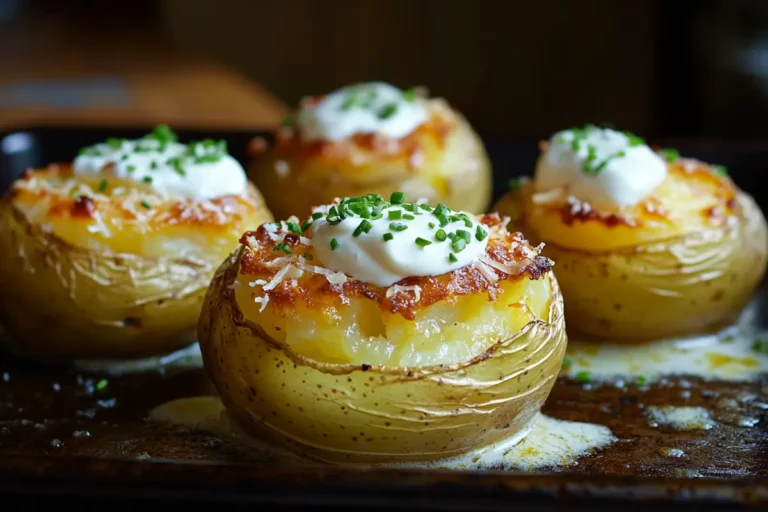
{"x": 684, "y": 261}
{"x": 90, "y": 272}
{"x": 343, "y": 373}
{"x": 443, "y": 160}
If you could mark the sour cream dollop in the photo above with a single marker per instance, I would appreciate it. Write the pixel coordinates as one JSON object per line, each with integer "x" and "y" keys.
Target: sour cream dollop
{"x": 600, "y": 166}
{"x": 405, "y": 240}
{"x": 198, "y": 171}
{"x": 374, "y": 107}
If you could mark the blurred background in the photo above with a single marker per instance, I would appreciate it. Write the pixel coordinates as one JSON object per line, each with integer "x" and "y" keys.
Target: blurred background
{"x": 682, "y": 68}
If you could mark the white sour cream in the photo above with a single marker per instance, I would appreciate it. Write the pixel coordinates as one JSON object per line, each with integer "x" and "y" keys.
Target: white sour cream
{"x": 370, "y": 258}
{"x": 600, "y": 166}
{"x": 374, "y": 107}
{"x": 147, "y": 160}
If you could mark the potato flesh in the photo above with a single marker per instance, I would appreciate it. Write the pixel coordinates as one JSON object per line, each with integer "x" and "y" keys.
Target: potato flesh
{"x": 443, "y": 333}
{"x": 683, "y": 196}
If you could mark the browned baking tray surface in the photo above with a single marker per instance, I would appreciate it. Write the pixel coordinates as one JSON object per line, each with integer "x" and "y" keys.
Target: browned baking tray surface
{"x": 62, "y": 434}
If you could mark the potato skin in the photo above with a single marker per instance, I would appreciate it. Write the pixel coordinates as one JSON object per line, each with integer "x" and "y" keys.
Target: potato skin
{"x": 443, "y": 161}
{"x": 689, "y": 284}
{"x": 350, "y": 413}
{"x": 63, "y": 302}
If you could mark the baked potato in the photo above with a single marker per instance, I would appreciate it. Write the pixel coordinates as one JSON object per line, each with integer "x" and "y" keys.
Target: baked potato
{"x": 99, "y": 264}
{"x": 308, "y": 356}
{"x": 372, "y": 138}
{"x": 683, "y": 259}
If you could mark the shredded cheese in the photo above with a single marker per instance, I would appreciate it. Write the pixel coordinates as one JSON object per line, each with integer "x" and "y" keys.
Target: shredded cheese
{"x": 395, "y": 289}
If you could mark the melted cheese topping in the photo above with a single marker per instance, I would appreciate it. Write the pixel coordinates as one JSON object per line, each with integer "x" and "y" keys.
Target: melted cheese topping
{"x": 374, "y": 107}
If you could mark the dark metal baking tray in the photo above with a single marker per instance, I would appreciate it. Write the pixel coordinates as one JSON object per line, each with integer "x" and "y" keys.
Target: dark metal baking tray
{"x": 727, "y": 468}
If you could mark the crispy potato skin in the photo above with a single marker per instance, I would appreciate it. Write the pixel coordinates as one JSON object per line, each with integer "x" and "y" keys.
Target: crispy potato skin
{"x": 63, "y": 300}
{"x": 444, "y": 160}
{"x": 360, "y": 413}
{"x": 688, "y": 270}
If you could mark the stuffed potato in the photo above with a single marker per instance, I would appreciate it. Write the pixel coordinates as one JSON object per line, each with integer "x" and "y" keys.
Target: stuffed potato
{"x": 383, "y": 331}
{"x": 649, "y": 245}
{"x": 110, "y": 256}
{"x": 372, "y": 138}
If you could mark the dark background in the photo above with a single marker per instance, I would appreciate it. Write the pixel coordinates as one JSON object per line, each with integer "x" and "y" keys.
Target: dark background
{"x": 663, "y": 68}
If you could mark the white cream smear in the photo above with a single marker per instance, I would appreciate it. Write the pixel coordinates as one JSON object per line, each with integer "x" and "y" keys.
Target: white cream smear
{"x": 405, "y": 240}
{"x": 374, "y": 107}
{"x": 599, "y": 166}
{"x": 547, "y": 442}
{"x": 729, "y": 355}
{"x": 200, "y": 170}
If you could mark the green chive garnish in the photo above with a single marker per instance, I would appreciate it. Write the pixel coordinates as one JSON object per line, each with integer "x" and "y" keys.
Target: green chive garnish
{"x": 458, "y": 244}
{"x": 388, "y": 236}
{"x": 131, "y": 168}
{"x": 480, "y": 233}
{"x": 294, "y": 228}
{"x": 720, "y": 170}
{"x": 440, "y": 235}
{"x": 641, "y": 380}
{"x": 146, "y": 205}
{"x": 583, "y": 377}
{"x": 452, "y": 258}
{"x": 408, "y": 216}
{"x": 305, "y": 225}
{"x": 364, "y": 227}
{"x": 102, "y": 385}
{"x": 394, "y": 214}
{"x": 334, "y": 244}
{"x": 397, "y": 226}
{"x": 670, "y": 155}
{"x": 422, "y": 242}
{"x": 397, "y": 198}
{"x": 409, "y": 95}
{"x": 103, "y": 185}
{"x": 317, "y": 215}
{"x": 387, "y": 111}
{"x": 147, "y": 179}
{"x": 282, "y": 247}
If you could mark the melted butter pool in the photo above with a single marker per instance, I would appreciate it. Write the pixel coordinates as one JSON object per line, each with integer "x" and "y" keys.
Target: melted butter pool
{"x": 547, "y": 442}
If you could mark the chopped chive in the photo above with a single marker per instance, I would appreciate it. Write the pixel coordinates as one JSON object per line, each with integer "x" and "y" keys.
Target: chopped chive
{"x": 634, "y": 140}
{"x": 567, "y": 363}
{"x": 452, "y": 258}
{"x": 334, "y": 244}
{"x": 409, "y": 95}
{"x": 317, "y": 215}
{"x": 147, "y": 179}
{"x": 720, "y": 170}
{"x": 294, "y": 228}
{"x": 350, "y": 101}
{"x": 397, "y": 226}
{"x": 458, "y": 244}
{"x": 397, "y": 198}
{"x": 394, "y": 214}
{"x": 440, "y": 235}
{"x": 641, "y": 380}
{"x": 103, "y": 185}
{"x": 426, "y": 207}
{"x": 387, "y": 111}
{"x": 114, "y": 143}
{"x": 422, "y": 242}
{"x": 307, "y": 256}
{"x": 153, "y": 165}
{"x": 408, "y": 216}
{"x": 409, "y": 207}
{"x": 670, "y": 155}
{"x": 480, "y": 233}
{"x": 146, "y": 205}
{"x": 583, "y": 377}
{"x": 124, "y": 157}
{"x": 513, "y": 185}
{"x": 102, "y": 385}
{"x": 305, "y": 225}
{"x": 761, "y": 346}
{"x": 364, "y": 227}
{"x": 388, "y": 236}
{"x": 282, "y": 247}
{"x": 462, "y": 234}
{"x": 131, "y": 168}
{"x": 431, "y": 225}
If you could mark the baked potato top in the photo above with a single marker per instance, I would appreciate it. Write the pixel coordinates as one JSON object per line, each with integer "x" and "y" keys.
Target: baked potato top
{"x": 423, "y": 143}
{"x": 285, "y": 288}
{"x": 690, "y": 196}
{"x": 108, "y": 213}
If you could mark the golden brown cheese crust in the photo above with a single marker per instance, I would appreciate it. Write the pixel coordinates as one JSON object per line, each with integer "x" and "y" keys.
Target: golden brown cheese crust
{"x": 289, "y": 144}
{"x": 316, "y": 291}
{"x": 65, "y": 196}
{"x": 696, "y": 173}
